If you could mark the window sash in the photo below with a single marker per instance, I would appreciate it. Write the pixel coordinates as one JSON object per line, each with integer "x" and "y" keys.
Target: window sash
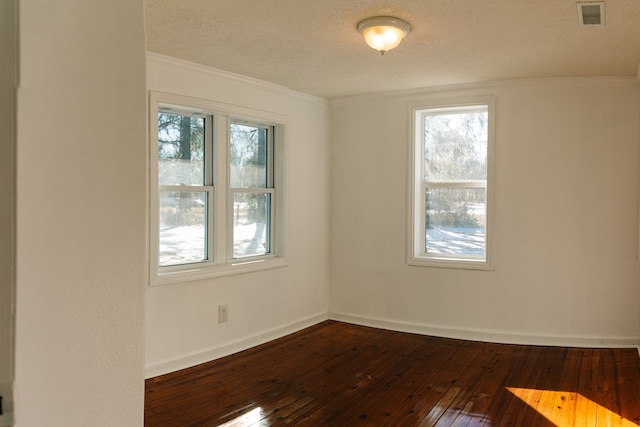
{"x": 207, "y": 162}
{"x": 208, "y": 213}
{"x": 423, "y": 237}
{"x": 269, "y": 160}
{"x": 270, "y": 223}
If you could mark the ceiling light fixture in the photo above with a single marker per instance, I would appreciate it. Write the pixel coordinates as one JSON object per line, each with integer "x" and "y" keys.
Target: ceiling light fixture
{"x": 383, "y": 33}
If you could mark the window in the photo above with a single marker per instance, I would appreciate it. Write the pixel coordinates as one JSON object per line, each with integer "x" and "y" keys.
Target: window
{"x": 251, "y": 177}
{"x": 185, "y": 187}
{"x": 451, "y": 212}
{"x": 216, "y": 190}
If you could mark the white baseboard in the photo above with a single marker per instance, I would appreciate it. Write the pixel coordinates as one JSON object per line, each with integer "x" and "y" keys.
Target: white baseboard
{"x": 228, "y": 348}
{"x": 495, "y": 336}
{"x": 504, "y": 337}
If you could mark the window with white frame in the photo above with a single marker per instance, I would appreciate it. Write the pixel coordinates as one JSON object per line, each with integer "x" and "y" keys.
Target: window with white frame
{"x": 251, "y": 186}
{"x": 185, "y": 187}
{"x": 216, "y": 199}
{"x": 451, "y": 208}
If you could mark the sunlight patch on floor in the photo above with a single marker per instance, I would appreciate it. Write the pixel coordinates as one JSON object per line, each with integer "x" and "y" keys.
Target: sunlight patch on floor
{"x": 248, "y": 419}
{"x": 565, "y": 408}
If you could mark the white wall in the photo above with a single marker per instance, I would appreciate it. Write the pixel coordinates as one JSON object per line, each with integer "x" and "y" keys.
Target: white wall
{"x": 8, "y": 79}
{"x": 566, "y": 218}
{"x": 181, "y": 319}
{"x": 81, "y": 156}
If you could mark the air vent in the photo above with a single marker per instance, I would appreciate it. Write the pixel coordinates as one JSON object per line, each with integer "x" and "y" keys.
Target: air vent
{"x": 591, "y": 14}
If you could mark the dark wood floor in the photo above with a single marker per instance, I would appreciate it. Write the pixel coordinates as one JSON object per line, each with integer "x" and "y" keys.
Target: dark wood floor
{"x": 339, "y": 374}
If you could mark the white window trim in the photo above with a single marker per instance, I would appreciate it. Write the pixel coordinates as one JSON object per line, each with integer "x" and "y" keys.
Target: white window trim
{"x": 220, "y": 228}
{"x": 415, "y": 204}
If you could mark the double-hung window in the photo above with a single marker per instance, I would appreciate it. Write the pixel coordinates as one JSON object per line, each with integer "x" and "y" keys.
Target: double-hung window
{"x": 451, "y": 174}
{"x": 216, "y": 190}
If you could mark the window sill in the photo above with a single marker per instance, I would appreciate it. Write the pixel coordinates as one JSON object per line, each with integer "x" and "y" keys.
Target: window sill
{"x": 213, "y": 271}
{"x": 454, "y": 263}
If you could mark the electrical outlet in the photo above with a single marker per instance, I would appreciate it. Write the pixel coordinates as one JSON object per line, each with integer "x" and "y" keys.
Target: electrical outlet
{"x": 223, "y": 313}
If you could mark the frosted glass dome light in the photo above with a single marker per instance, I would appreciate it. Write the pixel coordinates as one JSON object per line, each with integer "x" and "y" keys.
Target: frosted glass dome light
{"x": 383, "y": 33}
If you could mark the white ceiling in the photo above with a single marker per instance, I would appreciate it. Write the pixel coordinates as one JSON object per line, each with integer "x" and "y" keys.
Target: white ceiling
{"x": 312, "y": 46}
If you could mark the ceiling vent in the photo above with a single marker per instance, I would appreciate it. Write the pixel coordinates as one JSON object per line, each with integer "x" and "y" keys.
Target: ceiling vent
{"x": 591, "y": 14}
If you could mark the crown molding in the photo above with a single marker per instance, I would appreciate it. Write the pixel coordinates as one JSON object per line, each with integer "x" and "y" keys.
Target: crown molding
{"x": 204, "y": 70}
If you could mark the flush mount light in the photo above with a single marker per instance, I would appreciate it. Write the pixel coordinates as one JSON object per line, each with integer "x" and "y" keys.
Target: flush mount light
{"x": 383, "y": 33}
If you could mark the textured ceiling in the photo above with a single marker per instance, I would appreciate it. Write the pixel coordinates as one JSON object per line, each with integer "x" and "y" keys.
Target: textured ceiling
{"x": 312, "y": 46}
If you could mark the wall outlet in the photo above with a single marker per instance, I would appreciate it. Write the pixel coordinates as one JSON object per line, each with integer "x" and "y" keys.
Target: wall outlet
{"x": 223, "y": 313}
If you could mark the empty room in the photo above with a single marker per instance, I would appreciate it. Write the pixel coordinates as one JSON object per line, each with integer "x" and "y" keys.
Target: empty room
{"x": 252, "y": 213}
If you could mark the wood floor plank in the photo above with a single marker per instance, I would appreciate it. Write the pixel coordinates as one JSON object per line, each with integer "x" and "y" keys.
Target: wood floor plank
{"x": 566, "y": 400}
{"x": 338, "y": 374}
{"x": 604, "y": 398}
{"x": 628, "y": 367}
{"x": 587, "y": 383}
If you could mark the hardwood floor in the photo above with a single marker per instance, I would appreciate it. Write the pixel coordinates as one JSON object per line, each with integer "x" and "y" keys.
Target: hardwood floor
{"x": 338, "y": 374}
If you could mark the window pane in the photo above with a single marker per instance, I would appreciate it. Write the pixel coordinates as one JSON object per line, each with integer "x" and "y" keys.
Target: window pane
{"x": 180, "y": 149}
{"x": 183, "y": 230}
{"x": 455, "y": 221}
{"x": 248, "y": 156}
{"x": 455, "y": 146}
{"x": 251, "y": 224}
